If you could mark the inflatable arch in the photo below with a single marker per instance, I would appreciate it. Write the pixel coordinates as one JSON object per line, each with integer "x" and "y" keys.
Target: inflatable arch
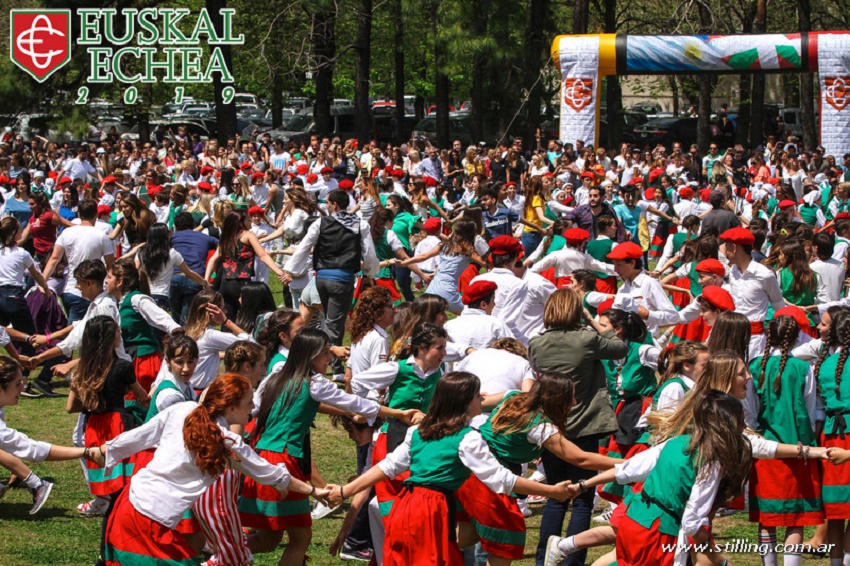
{"x": 584, "y": 59}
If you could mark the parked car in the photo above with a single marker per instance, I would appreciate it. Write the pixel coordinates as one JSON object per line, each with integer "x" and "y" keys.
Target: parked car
{"x": 551, "y": 129}
{"x": 300, "y": 127}
{"x": 667, "y": 130}
{"x": 246, "y": 98}
{"x": 459, "y": 128}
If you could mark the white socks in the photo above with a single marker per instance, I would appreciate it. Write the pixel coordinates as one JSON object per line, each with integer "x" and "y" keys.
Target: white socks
{"x": 793, "y": 559}
{"x": 769, "y": 539}
{"x": 33, "y": 481}
{"x": 567, "y": 545}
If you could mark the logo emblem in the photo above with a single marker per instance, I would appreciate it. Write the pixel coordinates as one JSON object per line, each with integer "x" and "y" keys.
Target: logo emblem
{"x": 578, "y": 93}
{"x": 40, "y": 41}
{"x": 837, "y": 92}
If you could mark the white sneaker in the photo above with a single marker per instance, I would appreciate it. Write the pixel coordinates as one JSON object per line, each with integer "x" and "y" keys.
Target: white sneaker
{"x": 39, "y": 496}
{"x": 604, "y": 517}
{"x": 523, "y": 508}
{"x": 536, "y": 499}
{"x": 320, "y": 511}
{"x": 554, "y": 557}
{"x": 537, "y": 476}
{"x": 93, "y": 508}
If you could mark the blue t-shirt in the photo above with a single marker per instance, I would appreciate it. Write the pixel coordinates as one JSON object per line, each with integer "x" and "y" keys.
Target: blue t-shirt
{"x": 499, "y": 224}
{"x": 20, "y": 210}
{"x": 194, "y": 247}
{"x": 630, "y": 217}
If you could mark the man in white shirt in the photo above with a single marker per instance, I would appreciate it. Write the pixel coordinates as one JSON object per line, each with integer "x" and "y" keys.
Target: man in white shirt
{"x": 79, "y": 243}
{"x": 511, "y": 290}
{"x": 476, "y": 327}
{"x": 280, "y": 158}
{"x": 79, "y": 167}
{"x": 640, "y": 288}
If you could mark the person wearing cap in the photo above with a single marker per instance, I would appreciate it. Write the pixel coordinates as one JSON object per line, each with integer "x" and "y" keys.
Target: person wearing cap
{"x": 330, "y": 184}
{"x": 698, "y": 317}
{"x": 511, "y": 291}
{"x": 476, "y": 327}
{"x": 754, "y": 286}
{"x": 262, "y": 193}
{"x": 571, "y": 258}
{"x": 513, "y": 200}
{"x": 599, "y": 249}
{"x": 670, "y": 256}
{"x": 339, "y": 242}
{"x": 641, "y": 289}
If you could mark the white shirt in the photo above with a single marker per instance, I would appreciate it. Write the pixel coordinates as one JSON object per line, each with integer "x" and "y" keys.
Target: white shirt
{"x": 474, "y": 454}
{"x": 81, "y": 243}
{"x": 425, "y": 245}
{"x": 647, "y": 292}
{"x": 161, "y": 284}
{"x": 298, "y": 263}
{"x": 210, "y": 343}
{"x": 498, "y": 370}
{"x": 568, "y": 259}
{"x": 20, "y": 445}
{"x": 171, "y": 483}
{"x": 102, "y": 305}
{"x": 280, "y": 161}
{"x": 168, "y": 397}
{"x": 383, "y": 375}
{"x": 510, "y": 296}
{"x": 260, "y": 194}
{"x": 77, "y": 169}
{"x": 669, "y": 399}
{"x": 830, "y": 279}
{"x": 14, "y": 265}
{"x": 153, "y": 315}
{"x": 161, "y": 212}
{"x": 477, "y": 329}
{"x": 755, "y": 289}
{"x": 538, "y": 290}
{"x": 372, "y": 350}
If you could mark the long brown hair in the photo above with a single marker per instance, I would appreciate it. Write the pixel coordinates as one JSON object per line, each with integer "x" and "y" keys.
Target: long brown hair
{"x": 447, "y": 414}
{"x": 782, "y": 333}
{"x": 462, "y": 239}
{"x": 204, "y": 439}
{"x": 672, "y": 360}
{"x": 798, "y": 264}
{"x": 367, "y": 312}
{"x": 97, "y": 354}
{"x": 424, "y": 308}
{"x": 198, "y": 318}
{"x": 731, "y": 331}
{"x": 280, "y": 321}
{"x": 9, "y": 231}
{"x": 132, "y": 279}
{"x": 551, "y": 395}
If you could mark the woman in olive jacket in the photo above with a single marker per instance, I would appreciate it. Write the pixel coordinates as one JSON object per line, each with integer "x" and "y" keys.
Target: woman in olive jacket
{"x": 568, "y": 346}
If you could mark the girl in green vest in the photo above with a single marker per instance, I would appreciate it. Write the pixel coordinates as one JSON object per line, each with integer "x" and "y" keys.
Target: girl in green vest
{"x": 517, "y": 431}
{"x": 440, "y": 455}
{"x": 784, "y": 399}
{"x": 247, "y": 358}
{"x": 277, "y": 336}
{"x": 389, "y": 248}
{"x": 687, "y": 478}
{"x": 289, "y": 401}
{"x": 686, "y": 276}
{"x": 798, "y": 282}
{"x": 810, "y": 210}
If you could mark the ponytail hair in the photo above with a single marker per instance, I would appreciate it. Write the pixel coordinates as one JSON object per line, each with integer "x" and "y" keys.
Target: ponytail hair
{"x": 672, "y": 360}
{"x": 242, "y": 352}
{"x": 204, "y": 439}
{"x": 782, "y": 333}
{"x": 131, "y": 278}
{"x": 634, "y": 328}
{"x": 9, "y": 227}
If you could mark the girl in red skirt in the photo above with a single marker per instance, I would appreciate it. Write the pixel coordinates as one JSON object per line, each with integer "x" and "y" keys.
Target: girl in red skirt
{"x": 441, "y": 455}
{"x": 686, "y": 480}
{"x": 833, "y": 377}
{"x": 100, "y": 383}
{"x": 195, "y": 448}
{"x": 782, "y": 405}
{"x": 289, "y": 401}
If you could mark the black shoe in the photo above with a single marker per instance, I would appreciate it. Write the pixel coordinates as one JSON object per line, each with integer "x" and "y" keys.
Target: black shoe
{"x": 44, "y": 388}
{"x": 349, "y": 553}
{"x": 30, "y": 392}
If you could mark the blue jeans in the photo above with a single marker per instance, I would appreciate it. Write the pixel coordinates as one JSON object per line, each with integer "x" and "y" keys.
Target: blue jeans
{"x": 14, "y": 310}
{"x": 402, "y": 277}
{"x": 530, "y": 241}
{"x": 552, "y": 521}
{"x": 75, "y": 306}
{"x": 183, "y": 290}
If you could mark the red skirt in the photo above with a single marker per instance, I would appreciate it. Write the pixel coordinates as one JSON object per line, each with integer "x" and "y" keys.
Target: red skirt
{"x": 637, "y": 487}
{"x": 496, "y": 518}
{"x": 387, "y": 490}
{"x": 146, "y": 368}
{"x": 99, "y": 430}
{"x": 639, "y": 546}
{"x": 135, "y": 540}
{"x": 681, "y": 299}
{"x": 785, "y": 493}
{"x": 263, "y": 507}
{"x": 836, "y": 481}
{"x": 615, "y": 492}
{"x": 419, "y": 532}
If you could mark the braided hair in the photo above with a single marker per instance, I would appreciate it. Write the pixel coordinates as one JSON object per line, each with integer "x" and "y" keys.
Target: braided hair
{"x": 842, "y": 328}
{"x": 835, "y": 314}
{"x": 782, "y": 333}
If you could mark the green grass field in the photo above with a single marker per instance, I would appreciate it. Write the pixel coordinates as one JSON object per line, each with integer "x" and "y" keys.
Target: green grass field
{"x": 58, "y": 536}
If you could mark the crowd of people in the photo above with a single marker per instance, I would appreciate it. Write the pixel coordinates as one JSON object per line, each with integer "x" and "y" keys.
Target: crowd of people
{"x": 493, "y": 327}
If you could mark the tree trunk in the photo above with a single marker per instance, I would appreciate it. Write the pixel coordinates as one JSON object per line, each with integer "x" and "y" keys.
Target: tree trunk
{"x": 807, "y": 100}
{"x": 441, "y": 82}
{"x": 705, "y": 87}
{"x": 674, "y": 89}
{"x": 742, "y": 125}
{"x": 580, "y": 16}
{"x": 362, "y": 65}
{"x": 536, "y": 47}
{"x": 225, "y": 114}
{"x": 324, "y": 43}
{"x": 400, "y": 112}
{"x": 757, "y": 118}
{"x": 613, "y": 90}
{"x": 277, "y": 100}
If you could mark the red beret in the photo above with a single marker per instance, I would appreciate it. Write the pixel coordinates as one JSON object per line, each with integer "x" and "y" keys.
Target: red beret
{"x": 103, "y": 209}
{"x": 346, "y": 184}
{"x": 576, "y": 235}
{"x": 787, "y": 203}
{"x": 587, "y": 175}
{"x": 4, "y": 180}
{"x": 432, "y": 225}
{"x": 655, "y": 173}
{"x": 505, "y": 245}
{"x": 796, "y": 313}
{"x": 312, "y": 178}
{"x": 429, "y": 181}
{"x": 205, "y": 187}
{"x": 649, "y": 194}
{"x": 626, "y": 250}
{"x": 64, "y": 180}
{"x": 256, "y": 211}
{"x": 686, "y": 192}
{"x": 569, "y": 199}
{"x": 303, "y": 169}
{"x": 477, "y": 291}
{"x": 634, "y": 181}
{"x": 397, "y": 173}
{"x": 711, "y": 265}
{"x": 257, "y": 175}
{"x": 326, "y": 170}
{"x": 548, "y": 174}
{"x": 154, "y": 190}
{"x": 109, "y": 179}
{"x": 842, "y": 215}
{"x": 52, "y": 174}
{"x": 245, "y": 166}
{"x": 510, "y": 184}
{"x": 605, "y": 305}
{"x": 738, "y": 236}
{"x": 773, "y": 181}
{"x": 207, "y": 169}
{"x": 718, "y": 297}
{"x": 704, "y": 194}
